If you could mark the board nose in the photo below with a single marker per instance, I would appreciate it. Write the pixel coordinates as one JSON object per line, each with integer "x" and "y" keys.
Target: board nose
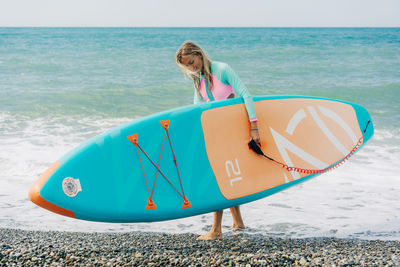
{"x": 35, "y": 197}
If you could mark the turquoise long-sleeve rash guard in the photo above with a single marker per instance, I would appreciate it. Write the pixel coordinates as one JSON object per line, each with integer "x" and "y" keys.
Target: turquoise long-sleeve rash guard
{"x": 226, "y": 84}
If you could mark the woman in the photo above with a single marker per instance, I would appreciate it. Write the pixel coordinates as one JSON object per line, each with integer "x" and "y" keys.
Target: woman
{"x": 216, "y": 81}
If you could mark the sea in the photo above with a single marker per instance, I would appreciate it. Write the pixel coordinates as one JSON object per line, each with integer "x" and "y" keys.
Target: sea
{"x": 62, "y": 86}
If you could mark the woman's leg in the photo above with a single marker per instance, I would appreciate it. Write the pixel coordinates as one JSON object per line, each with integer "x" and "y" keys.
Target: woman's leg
{"x": 237, "y": 218}
{"x": 216, "y": 231}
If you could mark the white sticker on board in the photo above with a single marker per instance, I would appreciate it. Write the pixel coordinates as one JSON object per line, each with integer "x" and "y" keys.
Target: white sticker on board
{"x": 71, "y": 186}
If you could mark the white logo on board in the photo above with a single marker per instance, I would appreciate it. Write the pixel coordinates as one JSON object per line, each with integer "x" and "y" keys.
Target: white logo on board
{"x": 285, "y": 145}
{"x": 229, "y": 165}
{"x": 71, "y": 186}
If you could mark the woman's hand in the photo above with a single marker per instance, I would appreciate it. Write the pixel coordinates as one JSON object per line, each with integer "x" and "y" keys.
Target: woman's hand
{"x": 254, "y": 132}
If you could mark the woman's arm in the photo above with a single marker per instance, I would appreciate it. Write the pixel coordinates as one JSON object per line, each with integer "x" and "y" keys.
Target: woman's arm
{"x": 231, "y": 78}
{"x": 240, "y": 89}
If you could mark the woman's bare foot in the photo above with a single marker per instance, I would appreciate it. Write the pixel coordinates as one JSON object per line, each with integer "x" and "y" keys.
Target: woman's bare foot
{"x": 238, "y": 226}
{"x": 212, "y": 235}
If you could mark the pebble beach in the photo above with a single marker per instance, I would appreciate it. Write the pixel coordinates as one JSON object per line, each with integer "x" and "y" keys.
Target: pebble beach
{"x": 51, "y": 248}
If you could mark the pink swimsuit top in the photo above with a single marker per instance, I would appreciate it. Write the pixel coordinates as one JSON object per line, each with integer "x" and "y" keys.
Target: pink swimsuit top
{"x": 226, "y": 84}
{"x": 220, "y": 90}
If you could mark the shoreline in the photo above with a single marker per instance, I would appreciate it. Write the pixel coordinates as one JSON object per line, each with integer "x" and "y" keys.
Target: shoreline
{"x": 39, "y": 248}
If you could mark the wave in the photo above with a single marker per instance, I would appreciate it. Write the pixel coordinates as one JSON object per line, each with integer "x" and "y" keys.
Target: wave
{"x": 337, "y": 204}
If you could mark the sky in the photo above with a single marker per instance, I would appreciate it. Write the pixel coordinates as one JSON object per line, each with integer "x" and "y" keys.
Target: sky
{"x": 206, "y": 13}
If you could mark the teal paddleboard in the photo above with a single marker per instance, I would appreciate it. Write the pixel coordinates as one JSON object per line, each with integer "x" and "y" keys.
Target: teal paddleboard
{"x": 195, "y": 159}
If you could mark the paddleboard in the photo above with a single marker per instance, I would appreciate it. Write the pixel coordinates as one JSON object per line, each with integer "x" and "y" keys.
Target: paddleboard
{"x": 196, "y": 159}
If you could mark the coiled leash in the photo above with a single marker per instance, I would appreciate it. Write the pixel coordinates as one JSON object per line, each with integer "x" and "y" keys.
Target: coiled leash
{"x": 256, "y": 148}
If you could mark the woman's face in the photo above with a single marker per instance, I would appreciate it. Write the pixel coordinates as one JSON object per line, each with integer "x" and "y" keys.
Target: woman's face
{"x": 193, "y": 62}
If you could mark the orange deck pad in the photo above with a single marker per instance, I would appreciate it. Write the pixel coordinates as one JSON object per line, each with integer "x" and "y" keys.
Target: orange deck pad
{"x": 304, "y": 133}
{"x": 34, "y": 193}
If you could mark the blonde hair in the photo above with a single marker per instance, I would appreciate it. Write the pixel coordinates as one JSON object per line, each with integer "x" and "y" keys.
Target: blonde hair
{"x": 189, "y": 48}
